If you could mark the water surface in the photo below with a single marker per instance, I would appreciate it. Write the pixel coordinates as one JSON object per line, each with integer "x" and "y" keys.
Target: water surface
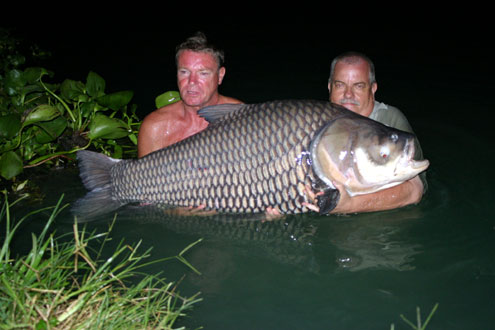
{"x": 334, "y": 272}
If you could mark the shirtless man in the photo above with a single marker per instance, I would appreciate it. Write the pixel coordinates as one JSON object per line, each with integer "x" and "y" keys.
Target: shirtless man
{"x": 200, "y": 71}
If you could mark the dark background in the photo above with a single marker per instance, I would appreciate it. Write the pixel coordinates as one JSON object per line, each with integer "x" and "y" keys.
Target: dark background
{"x": 426, "y": 61}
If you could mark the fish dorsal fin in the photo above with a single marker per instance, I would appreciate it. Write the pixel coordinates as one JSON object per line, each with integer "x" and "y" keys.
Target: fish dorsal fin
{"x": 215, "y": 113}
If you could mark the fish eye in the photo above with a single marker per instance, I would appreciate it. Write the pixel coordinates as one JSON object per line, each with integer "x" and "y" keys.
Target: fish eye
{"x": 394, "y": 137}
{"x": 384, "y": 152}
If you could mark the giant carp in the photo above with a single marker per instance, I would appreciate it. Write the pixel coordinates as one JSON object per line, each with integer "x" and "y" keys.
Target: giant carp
{"x": 255, "y": 156}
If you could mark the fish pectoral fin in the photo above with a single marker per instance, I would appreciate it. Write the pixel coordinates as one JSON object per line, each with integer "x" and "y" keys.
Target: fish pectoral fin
{"x": 328, "y": 200}
{"x": 215, "y": 113}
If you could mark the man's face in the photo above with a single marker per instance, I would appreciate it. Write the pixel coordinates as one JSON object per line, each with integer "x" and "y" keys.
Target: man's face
{"x": 350, "y": 87}
{"x": 198, "y": 78}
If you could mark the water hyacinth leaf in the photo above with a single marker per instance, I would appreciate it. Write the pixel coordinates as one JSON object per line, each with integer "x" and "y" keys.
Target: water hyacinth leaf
{"x": 50, "y": 130}
{"x": 115, "y": 101}
{"x": 10, "y": 165}
{"x": 9, "y": 125}
{"x": 60, "y": 108}
{"x": 31, "y": 75}
{"x": 16, "y": 60}
{"x": 117, "y": 152}
{"x": 43, "y": 112}
{"x": 35, "y": 91}
{"x": 71, "y": 89}
{"x": 133, "y": 138}
{"x": 95, "y": 85}
{"x": 87, "y": 109}
{"x": 34, "y": 74}
{"x": 167, "y": 98}
{"x": 40, "y": 136}
{"x": 13, "y": 81}
{"x": 107, "y": 128}
{"x": 16, "y": 100}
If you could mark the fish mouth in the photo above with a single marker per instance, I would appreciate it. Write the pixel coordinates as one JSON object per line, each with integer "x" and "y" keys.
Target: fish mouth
{"x": 420, "y": 165}
{"x": 417, "y": 165}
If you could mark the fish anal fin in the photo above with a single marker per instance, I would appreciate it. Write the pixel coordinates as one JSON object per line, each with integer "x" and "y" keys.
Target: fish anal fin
{"x": 95, "y": 203}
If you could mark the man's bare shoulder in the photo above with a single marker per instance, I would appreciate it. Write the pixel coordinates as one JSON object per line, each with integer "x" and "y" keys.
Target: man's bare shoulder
{"x": 226, "y": 99}
{"x": 161, "y": 117}
{"x": 167, "y": 112}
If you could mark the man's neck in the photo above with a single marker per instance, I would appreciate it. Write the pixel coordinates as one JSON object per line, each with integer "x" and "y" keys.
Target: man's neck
{"x": 195, "y": 108}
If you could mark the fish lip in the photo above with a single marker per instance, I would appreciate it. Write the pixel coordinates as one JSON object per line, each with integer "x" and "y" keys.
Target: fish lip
{"x": 408, "y": 160}
{"x": 418, "y": 165}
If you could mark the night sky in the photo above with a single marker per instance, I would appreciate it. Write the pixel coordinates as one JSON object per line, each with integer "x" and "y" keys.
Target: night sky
{"x": 266, "y": 59}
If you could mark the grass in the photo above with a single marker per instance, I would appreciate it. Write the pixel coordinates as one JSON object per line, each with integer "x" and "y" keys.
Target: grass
{"x": 419, "y": 324}
{"x": 67, "y": 284}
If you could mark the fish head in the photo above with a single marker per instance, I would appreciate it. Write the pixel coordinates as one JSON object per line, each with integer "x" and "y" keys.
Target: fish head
{"x": 363, "y": 155}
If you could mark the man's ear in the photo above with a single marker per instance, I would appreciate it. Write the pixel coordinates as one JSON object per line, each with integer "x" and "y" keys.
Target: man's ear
{"x": 374, "y": 87}
{"x": 221, "y": 74}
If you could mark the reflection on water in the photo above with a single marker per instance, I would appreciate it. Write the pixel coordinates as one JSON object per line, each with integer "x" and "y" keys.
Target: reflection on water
{"x": 355, "y": 242}
{"x": 285, "y": 241}
{"x": 375, "y": 241}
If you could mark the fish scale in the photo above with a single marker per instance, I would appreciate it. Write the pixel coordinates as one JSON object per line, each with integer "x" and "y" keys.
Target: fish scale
{"x": 237, "y": 165}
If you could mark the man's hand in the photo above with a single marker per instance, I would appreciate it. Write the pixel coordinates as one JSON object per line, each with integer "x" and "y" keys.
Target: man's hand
{"x": 406, "y": 193}
{"x": 313, "y": 199}
{"x": 191, "y": 211}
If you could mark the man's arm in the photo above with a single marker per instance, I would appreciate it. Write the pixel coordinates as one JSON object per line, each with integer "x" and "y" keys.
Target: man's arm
{"x": 409, "y": 192}
{"x": 154, "y": 134}
{"x": 144, "y": 137}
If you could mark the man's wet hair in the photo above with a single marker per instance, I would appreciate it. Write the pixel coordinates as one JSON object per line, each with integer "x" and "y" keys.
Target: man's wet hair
{"x": 199, "y": 43}
{"x": 351, "y": 58}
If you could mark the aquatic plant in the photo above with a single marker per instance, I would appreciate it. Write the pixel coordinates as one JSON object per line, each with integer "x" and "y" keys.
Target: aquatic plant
{"x": 46, "y": 122}
{"x": 65, "y": 283}
{"x": 167, "y": 98}
{"x": 419, "y": 324}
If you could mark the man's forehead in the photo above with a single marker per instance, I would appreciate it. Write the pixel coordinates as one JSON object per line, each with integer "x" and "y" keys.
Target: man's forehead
{"x": 200, "y": 59}
{"x": 356, "y": 72}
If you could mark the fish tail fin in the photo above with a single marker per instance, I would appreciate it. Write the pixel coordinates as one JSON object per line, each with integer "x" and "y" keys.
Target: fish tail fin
{"x": 94, "y": 170}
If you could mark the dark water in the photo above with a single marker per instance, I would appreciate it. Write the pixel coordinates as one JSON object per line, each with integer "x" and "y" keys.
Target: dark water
{"x": 331, "y": 272}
